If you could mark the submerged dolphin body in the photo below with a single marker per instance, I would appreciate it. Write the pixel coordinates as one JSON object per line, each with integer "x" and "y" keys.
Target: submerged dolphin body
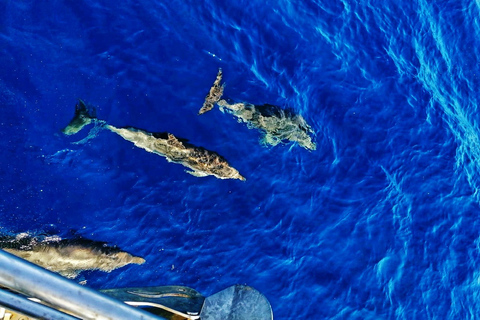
{"x": 68, "y": 256}
{"x": 277, "y": 124}
{"x": 201, "y": 161}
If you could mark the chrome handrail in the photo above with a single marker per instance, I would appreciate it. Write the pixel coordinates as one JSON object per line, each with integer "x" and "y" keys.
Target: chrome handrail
{"x": 13, "y": 301}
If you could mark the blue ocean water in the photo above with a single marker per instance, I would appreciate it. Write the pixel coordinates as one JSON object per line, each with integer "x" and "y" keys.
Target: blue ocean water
{"x": 380, "y": 222}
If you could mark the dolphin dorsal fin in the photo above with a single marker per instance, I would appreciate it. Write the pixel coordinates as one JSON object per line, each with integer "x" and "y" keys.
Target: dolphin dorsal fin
{"x": 173, "y": 141}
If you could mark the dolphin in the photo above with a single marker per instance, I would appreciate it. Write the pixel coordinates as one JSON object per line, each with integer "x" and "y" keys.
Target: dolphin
{"x": 276, "y": 124}
{"x": 201, "y": 161}
{"x": 214, "y": 95}
{"x": 67, "y": 257}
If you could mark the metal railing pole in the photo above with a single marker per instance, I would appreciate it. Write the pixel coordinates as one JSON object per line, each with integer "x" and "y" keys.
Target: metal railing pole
{"x": 18, "y": 303}
{"x": 31, "y": 280}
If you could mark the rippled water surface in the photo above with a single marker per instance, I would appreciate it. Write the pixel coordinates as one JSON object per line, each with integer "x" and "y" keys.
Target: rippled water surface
{"x": 379, "y": 222}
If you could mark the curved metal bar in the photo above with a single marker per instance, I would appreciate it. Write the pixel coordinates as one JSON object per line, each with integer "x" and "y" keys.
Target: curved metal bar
{"x": 30, "y": 308}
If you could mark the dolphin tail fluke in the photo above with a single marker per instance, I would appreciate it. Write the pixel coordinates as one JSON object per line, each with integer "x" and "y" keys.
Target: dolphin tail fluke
{"x": 84, "y": 115}
{"x": 215, "y": 94}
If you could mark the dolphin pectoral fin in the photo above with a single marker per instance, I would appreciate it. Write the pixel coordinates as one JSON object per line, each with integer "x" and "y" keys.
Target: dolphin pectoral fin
{"x": 196, "y": 173}
{"x": 70, "y": 274}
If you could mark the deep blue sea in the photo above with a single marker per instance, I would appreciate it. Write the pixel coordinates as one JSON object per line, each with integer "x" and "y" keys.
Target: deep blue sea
{"x": 379, "y": 222}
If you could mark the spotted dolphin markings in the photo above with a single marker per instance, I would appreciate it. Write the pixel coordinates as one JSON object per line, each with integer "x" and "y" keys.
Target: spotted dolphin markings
{"x": 276, "y": 124}
{"x": 200, "y": 161}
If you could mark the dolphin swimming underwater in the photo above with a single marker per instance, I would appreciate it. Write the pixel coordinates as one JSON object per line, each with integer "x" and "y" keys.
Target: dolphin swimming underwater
{"x": 276, "y": 124}
{"x": 67, "y": 257}
{"x": 216, "y": 92}
{"x": 201, "y": 161}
